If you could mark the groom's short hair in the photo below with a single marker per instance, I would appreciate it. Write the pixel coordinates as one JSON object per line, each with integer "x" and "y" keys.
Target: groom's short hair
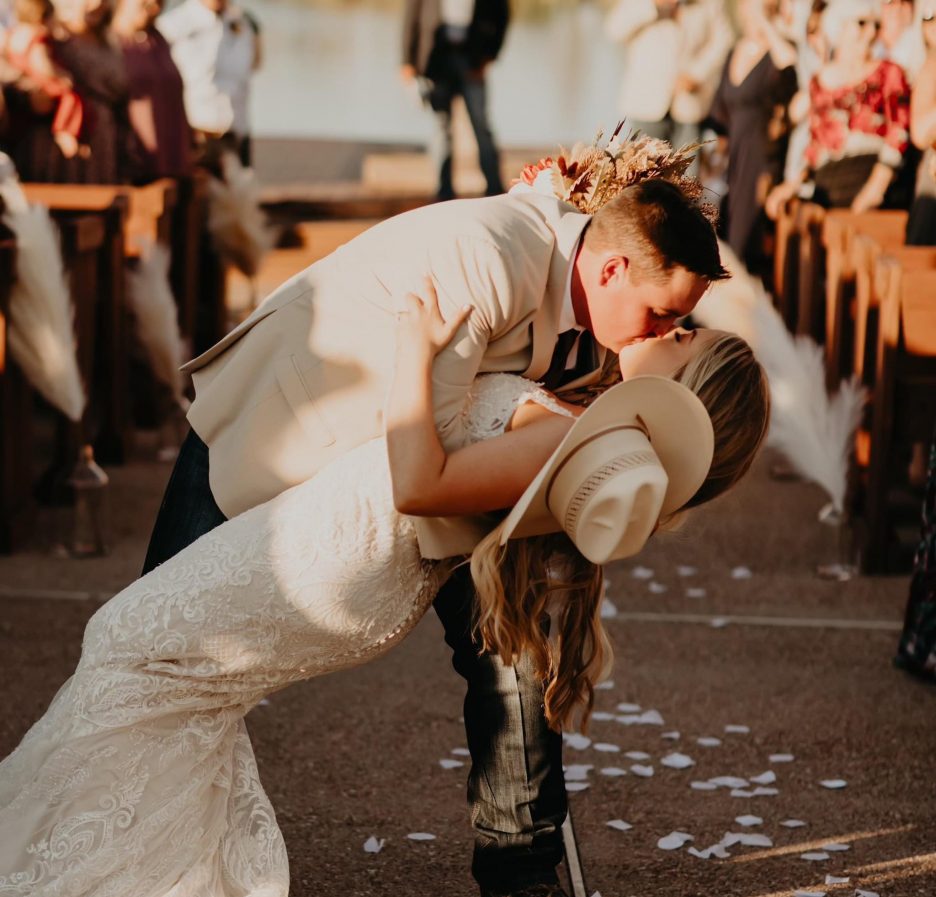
{"x": 658, "y": 227}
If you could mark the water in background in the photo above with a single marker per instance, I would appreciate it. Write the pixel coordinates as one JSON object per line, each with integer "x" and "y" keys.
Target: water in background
{"x": 334, "y": 74}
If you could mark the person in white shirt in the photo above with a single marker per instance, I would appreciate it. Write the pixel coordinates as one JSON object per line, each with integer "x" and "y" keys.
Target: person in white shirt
{"x": 215, "y": 46}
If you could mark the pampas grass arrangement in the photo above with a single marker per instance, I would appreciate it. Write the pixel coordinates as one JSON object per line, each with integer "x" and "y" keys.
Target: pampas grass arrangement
{"x": 815, "y": 431}
{"x": 235, "y": 219}
{"x": 41, "y": 334}
{"x": 157, "y": 322}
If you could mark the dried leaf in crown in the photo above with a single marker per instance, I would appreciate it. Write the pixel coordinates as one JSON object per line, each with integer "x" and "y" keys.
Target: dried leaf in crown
{"x": 591, "y": 175}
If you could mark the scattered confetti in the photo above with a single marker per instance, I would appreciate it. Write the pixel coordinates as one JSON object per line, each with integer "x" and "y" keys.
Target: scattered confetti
{"x": 671, "y": 736}
{"x": 645, "y": 772}
{"x": 656, "y": 588}
{"x": 674, "y": 840}
{"x": 833, "y": 784}
{"x": 835, "y": 847}
{"x": 765, "y": 778}
{"x": 741, "y": 573}
{"x": 809, "y": 894}
{"x": 836, "y": 880}
{"x": 450, "y": 764}
{"x": 629, "y": 708}
{"x": 815, "y": 856}
{"x": 716, "y": 850}
{"x": 574, "y": 740}
{"x": 461, "y": 752}
{"x": 606, "y": 748}
{"x": 754, "y": 840}
{"x": 738, "y": 730}
{"x": 703, "y": 786}
{"x": 642, "y": 573}
{"x": 686, "y": 570}
{"x": 729, "y": 782}
{"x": 781, "y": 758}
{"x": 741, "y": 792}
{"x": 708, "y": 741}
{"x": 696, "y": 593}
{"x": 421, "y": 836}
{"x": 637, "y": 755}
{"x": 374, "y": 845}
{"x": 677, "y": 761}
{"x": 613, "y": 771}
{"x": 619, "y": 824}
{"x": 749, "y": 820}
{"x": 765, "y": 792}
{"x": 792, "y": 823}
{"x": 577, "y": 772}
{"x": 602, "y": 716}
{"x": 647, "y": 718}
{"x": 576, "y": 786}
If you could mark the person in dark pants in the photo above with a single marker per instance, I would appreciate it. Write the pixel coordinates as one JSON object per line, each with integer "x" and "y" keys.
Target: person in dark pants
{"x": 450, "y": 43}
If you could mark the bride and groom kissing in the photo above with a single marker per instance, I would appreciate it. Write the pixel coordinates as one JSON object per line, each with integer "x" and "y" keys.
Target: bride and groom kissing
{"x": 313, "y": 517}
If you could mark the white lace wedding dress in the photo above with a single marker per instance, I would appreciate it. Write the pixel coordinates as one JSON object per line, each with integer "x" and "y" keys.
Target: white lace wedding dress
{"x": 140, "y": 779}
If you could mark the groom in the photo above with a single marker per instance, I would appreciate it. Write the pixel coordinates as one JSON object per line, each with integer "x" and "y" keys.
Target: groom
{"x": 302, "y": 381}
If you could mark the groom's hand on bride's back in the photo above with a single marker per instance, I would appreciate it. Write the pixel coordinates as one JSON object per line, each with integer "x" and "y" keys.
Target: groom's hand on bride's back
{"x": 420, "y": 325}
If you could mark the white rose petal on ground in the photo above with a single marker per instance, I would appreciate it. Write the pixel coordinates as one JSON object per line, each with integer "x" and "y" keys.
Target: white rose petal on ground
{"x": 741, "y": 792}
{"x": 835, "y": 847}
{"x": 374, "y": 845}
{"x": 577, "y": 772}
{"x": 619, "y": 824}
{"x": 833, "y": 784}
{"x": 809, "y": 894}
{"x": 760, "y": 791}
{"x": 860, "y": 893}
{"x": 729, "y": 782}
{"x": 754, "y": 840}
{"x": 608, "y": 610}
{"x": 696, "y": 592}
{"x": 749, "y": 820}
{"x": 741, "y": 573}
{"x": 674, "y": 840}
{"x": 792, "y": 823}
{"x": 781, "y": 758}
{"x": 708, "y": 741}
{"x": 642, "y": 573}
{"x": 637, "y": 755}
{"x": 732, "y": 729}
{"x": 613, "y": 771}
{"x": 421, "y": 836}
{"x": 461, "y": 752}
{"x": 576, "y": 786}
{"x": 765, "y": 778}
{"x": 264, "y": 702}
{"x": 656, "y": 588}
{"x": 606, "y": 748}
{"x": 836, "y": 880}
{"x": 629, "y": 708}
{"x": 719, "y": 622}
{"x": 677, "y": 761}
{"x": 645, "y": 772}
{"x": 671, "y": 736}
{"x": 703, "y": 786}
{"x": 450, "y": 764}
{"x": 686, "y": 570}
{"x": 601, "y": 716}
{"x": 576, "y": 741}
{"x": 815, "y": 856}
{"x": 607, "y": 685}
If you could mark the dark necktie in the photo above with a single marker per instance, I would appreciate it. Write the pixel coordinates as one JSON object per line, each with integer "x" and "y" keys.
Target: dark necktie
{"x": 554, "y": 376}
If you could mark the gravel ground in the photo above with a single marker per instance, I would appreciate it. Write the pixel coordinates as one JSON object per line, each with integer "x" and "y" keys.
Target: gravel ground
{"x": 357, "y": 754}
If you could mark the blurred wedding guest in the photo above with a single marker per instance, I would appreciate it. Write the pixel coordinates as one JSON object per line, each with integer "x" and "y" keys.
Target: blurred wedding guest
{"x": 921, "y": 227}
{"x": 757, "y": 83}
{"x": 450, "y": 43}
{"x": 156, "y": 108}
{"x": 898, "y": 37}
{"x": 215, "y": 45}
{"x": 859, "y": 119}
{"x": 674, "y": 51}
{"x": 26, "y": 47}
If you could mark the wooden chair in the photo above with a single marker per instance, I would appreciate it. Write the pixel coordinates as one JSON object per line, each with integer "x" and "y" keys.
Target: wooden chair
{"x": 808, "y": 315}
{"x": 786, "y": 260}
{"x": 903, "y": 405}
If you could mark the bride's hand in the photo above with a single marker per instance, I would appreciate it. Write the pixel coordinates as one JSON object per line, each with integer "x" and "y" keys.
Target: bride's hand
{"x": 420, "y": 324}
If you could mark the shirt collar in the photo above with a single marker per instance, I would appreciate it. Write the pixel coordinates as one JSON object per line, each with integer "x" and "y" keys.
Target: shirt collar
{"x": 567, "y": 314}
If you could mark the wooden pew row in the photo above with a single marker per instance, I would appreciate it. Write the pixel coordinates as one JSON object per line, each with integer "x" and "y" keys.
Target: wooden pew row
{"x": 903, "y": 405}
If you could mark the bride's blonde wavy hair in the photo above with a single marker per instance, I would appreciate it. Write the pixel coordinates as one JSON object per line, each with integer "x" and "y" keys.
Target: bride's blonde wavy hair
{"x": 543, "y": 597}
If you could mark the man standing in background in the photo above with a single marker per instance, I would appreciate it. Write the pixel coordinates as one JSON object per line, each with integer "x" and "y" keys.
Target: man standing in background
{"x": 450, "y": 43}
{"x": 674, "y": 53}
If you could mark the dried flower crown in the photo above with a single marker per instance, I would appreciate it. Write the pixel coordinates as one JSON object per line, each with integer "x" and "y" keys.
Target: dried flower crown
{"x": 590, "y": 175}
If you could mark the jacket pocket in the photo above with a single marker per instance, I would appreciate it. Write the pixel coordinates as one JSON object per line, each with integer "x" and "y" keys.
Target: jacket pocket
{"x": 301, "y": 400}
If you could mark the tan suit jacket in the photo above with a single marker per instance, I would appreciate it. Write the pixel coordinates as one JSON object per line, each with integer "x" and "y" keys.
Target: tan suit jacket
{"x": 694, "y": 43}
{"x": 304, "y": 379}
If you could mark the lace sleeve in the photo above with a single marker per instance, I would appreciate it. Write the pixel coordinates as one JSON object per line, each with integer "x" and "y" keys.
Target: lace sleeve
{"x": 494, "y": 398}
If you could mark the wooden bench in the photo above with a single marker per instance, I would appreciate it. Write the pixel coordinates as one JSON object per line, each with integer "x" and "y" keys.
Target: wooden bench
{"x": 903, "y": 405}
{"x": 786, "y": 260}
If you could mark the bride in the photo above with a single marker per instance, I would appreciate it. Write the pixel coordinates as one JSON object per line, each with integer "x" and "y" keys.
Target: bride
{"x": 140, "y": 778}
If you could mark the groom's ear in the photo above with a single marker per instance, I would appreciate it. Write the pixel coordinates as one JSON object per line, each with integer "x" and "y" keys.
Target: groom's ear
{"x": 614, "y": 270}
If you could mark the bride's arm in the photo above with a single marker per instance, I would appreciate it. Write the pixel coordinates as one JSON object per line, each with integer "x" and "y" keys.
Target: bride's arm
{"x": 486, "y": 476}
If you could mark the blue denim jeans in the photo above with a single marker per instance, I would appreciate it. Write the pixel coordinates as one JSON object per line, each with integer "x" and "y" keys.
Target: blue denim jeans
{"x": 516, "y": 790}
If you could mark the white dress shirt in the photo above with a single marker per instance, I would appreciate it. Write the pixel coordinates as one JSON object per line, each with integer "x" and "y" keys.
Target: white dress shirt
{"x": 215, "y": 56}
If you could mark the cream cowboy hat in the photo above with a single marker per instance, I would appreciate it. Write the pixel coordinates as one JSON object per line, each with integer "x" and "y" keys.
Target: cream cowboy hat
{"x": 640, "y": 451}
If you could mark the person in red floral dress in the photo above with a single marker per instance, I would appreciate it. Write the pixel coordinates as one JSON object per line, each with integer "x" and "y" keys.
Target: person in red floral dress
{"x": 859, "y": 118}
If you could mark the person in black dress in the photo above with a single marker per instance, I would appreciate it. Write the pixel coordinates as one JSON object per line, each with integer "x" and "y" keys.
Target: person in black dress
{"x": 758, "y": 77}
